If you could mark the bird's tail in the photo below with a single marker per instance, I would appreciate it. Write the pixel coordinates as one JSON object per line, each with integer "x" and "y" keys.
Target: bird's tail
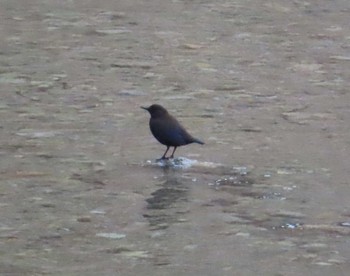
{"x": 195, "y": 140}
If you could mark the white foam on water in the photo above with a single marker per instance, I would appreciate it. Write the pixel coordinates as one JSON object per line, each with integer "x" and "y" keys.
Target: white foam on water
{"x": 179, "y": 163}
{"x": 182, "y": 163}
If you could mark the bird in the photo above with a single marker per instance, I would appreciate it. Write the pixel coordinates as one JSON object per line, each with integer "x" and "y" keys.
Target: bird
{"x": 167, "y": 130}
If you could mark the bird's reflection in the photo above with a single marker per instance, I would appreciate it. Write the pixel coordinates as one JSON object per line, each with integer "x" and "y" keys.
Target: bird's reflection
{"x": 166, "y": 205}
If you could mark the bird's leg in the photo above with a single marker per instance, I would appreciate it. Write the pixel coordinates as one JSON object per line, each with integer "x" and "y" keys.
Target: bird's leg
{"x": 172, "y": 155}
{"x": 163, "y": 157}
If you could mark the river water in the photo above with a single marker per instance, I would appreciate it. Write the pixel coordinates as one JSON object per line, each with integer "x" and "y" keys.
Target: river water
{"x": 263, "y": 83}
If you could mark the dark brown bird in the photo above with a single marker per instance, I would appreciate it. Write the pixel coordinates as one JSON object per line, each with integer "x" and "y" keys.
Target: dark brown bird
{"x": 167, "y": 130}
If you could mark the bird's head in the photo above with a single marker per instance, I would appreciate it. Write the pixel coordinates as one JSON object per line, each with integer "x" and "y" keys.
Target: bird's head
{"x": 156, "y": 110}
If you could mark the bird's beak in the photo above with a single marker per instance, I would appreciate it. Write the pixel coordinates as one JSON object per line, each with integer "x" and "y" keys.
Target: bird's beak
{"x": 145, "y": 108}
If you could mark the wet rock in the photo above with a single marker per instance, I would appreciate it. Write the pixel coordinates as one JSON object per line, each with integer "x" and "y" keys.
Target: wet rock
{"x": 180, "y": 162}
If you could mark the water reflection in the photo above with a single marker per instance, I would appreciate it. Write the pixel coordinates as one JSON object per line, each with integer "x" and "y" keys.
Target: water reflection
{"x": 165, "y": 206}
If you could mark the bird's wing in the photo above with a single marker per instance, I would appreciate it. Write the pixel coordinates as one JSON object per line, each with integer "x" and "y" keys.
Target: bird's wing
{"x": 169, "y": 133}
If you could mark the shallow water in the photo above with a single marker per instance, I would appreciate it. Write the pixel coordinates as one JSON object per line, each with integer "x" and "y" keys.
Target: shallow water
{"x": 265, "y": 85}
